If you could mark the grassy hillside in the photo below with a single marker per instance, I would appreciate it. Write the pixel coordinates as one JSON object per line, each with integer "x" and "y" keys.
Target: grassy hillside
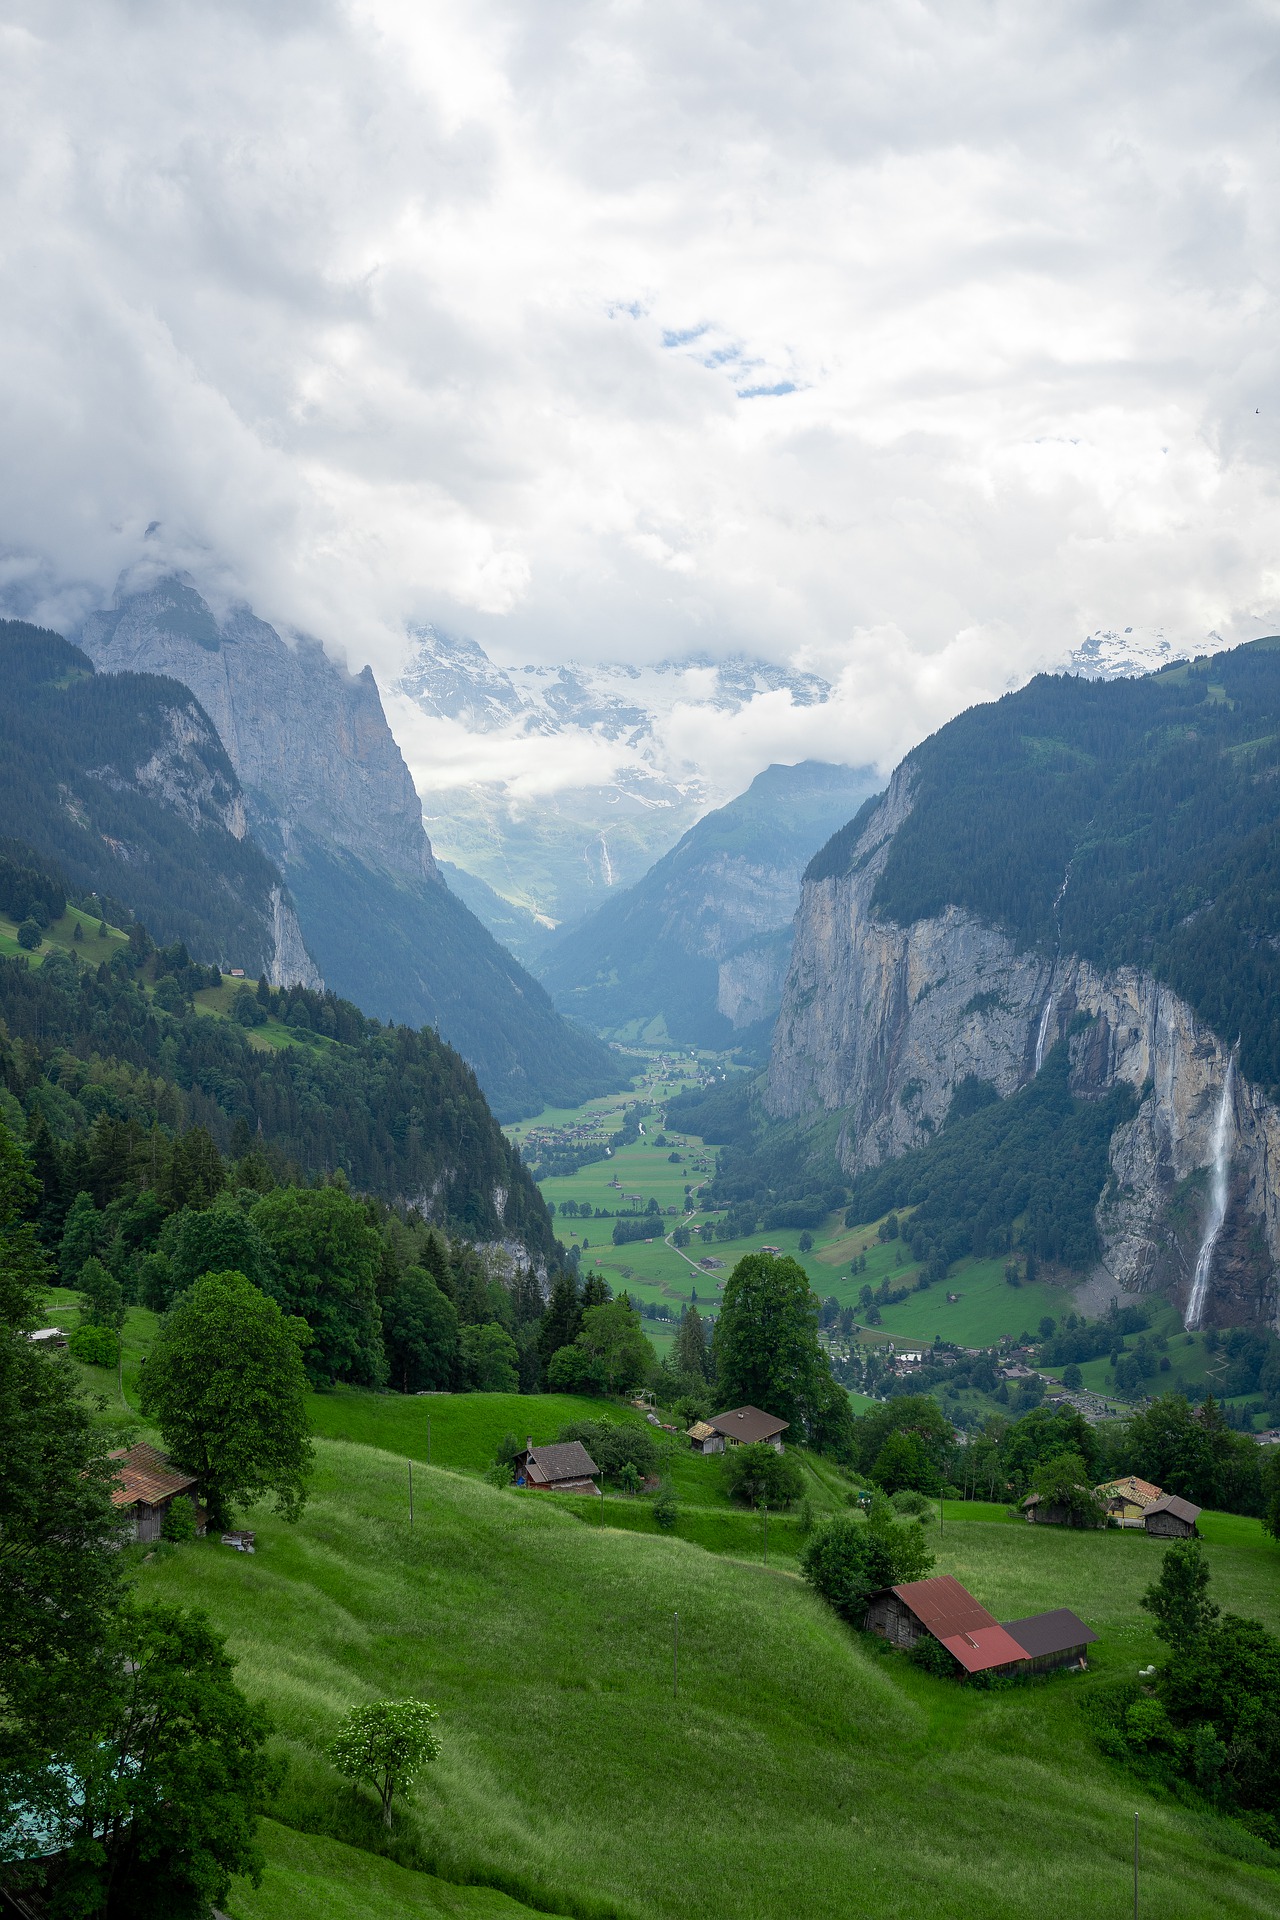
{"x": 798, "y": 1772}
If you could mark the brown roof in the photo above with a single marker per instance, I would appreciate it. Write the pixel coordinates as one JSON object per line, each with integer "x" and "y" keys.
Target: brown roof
{"x": 1179, "y": 1508}
{"x": 944, "y": 1606}
{"x": 1055, "y": 1632}
{"x": 1140, "y": 1492}
{"x": 567, "y": 1460}
{"x": 146, "y": 1475}
{"x": 748, "y": 1424}
{"x": 699, "y": 1431}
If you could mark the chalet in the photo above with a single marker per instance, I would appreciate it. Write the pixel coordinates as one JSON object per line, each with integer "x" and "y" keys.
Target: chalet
{"x": 1171, "y": 1518}
{"x": 1125, "y": 1501}
{"x": 564, "y": 1468}
{"x": 944, "y": 1609}
{"x": 1044, "y": 1513}
{"x": 148, "y": 1486}
{"x": 741, "y": 1427}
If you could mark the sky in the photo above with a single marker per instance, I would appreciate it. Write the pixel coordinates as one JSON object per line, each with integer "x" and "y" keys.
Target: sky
{"x": 906, "y": 343}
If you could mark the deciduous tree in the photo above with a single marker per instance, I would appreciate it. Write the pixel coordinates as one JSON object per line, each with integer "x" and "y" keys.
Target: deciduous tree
{"x": 387, "y": 1743}
{"x": 225, "y": 1383}
{"x": 327, "y": 1255}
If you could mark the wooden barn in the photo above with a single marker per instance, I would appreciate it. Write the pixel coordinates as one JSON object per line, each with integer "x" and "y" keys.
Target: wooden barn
{"x": 981, "y": 1643}
{"x": 1055, "y": 1639}
{"x": 146, "y": 1483}
{"x": 566, "y": 1467}
{"x": 1172, "y": 1518}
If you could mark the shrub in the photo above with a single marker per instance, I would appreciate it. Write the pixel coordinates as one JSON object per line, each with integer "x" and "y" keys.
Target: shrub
{"x": 615, "y": 1447}
{"x": 911, "y": 1505}
{"x": 29, "y": 936}
{"x": 934, "y": 1658}
{"x": 179, "y": 1522}
{"x": 95, "y": 1346}
{"x": 666, "y": 1508}
{"x": 758, "y": 1476}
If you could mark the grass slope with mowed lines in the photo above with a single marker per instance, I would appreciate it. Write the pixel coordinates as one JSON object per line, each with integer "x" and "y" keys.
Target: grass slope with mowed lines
{"x": 797, "y": 1773}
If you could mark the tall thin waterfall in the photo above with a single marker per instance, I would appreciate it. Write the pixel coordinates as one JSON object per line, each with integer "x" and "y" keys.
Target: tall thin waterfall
{"x": 1044, "y": 1027}
{"x": 1043, "y": 1033}
{"x": 1217, "y": 1201}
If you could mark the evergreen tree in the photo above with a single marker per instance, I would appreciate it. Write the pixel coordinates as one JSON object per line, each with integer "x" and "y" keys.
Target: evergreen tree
{"x": 562, "y": 1322}
{"x": 691, "y": 1356}
{"x": 81, "y": 1237}
{"x": 102, "y": 1298}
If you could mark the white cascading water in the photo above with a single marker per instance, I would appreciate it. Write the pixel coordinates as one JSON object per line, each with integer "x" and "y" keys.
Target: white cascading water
{"x": 1043, "y": 1033}
{"x": 1217, "y": 1202}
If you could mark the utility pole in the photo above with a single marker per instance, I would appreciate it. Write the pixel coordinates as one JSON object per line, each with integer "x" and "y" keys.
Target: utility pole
{"x": 765, "y": 1510}
{"x": 411, "y": 1493}
{"x": 675, "y": 1654}
{"x": 428, "y": 1439}
{"x": 1135, "y": 1866}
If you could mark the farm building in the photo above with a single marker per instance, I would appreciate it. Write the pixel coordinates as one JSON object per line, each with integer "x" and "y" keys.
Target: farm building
{"x": 146, "y": 1483}
{"x": 946, "y": 1610}
{"x": 742, "y": 1426}
{"x": 566, "y": 1467}
{"x": 1044, "y": 1513}
{"x": 1055, "y": 1639}
{"x": 1127, "y": 1500}
{"x": 1171, "y": 1518}
{"x": 48, "y": 1337}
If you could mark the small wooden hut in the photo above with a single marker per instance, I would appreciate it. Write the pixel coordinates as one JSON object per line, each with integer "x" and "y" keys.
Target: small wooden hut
{"x": 1172, "y": 1518}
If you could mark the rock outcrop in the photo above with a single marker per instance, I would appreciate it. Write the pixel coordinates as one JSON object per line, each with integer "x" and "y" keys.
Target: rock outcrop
{"x": 882, "y": 1022}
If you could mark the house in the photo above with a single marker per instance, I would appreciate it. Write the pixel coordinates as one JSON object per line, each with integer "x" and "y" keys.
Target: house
{"x": 1055, "y": 1639}
{"x": 148, "y": 1485}
{"x": 566, "y": 1467}
{"x": 1126, "y": 1500}
{"x": 1041, "y": 1513}
{"x": 704, "y": 1438}
{"x": 741, "y": 1427}
{"x": 944, "y": 1609}
{"x": 48, "y": 1337}
{"x": 1171, "y": 1518}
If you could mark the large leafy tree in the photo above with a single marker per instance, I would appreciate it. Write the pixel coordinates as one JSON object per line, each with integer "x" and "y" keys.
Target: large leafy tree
{"x": 847, "y": 1560}
{"x": 328, "y": 1256}
{"x": 219, "y": 1239}
{"x": 766, "y": 1339}
{"x": 226, "y": 1385}
{"x": 166, "y": 1787}
{"x": 490, "y": 1359}
{"x": 1192, "y": 1452}
{"x": 420, "y": 1331}
{"x": 610, "y": 1354}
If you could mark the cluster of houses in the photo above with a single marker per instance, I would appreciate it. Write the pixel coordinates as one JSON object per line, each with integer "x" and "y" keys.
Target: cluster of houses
{"x": 567, "y": 1467}
{"x": 1129, "y": 1502}
{"x": 945, "y": 1611}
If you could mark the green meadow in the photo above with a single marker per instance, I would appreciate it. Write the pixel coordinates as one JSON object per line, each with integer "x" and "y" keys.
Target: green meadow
{"x": 800, "y": 1770}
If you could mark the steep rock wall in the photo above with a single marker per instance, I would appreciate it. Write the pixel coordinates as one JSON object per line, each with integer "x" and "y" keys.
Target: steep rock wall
{"x": 883, "y": 1022}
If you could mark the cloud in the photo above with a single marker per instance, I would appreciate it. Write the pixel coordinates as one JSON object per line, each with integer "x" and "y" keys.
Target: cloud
{"x": 914, "y": 341}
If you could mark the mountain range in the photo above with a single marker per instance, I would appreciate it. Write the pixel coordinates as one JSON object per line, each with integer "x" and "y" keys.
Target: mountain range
{"x": 556, "y": 849}
{"x": 1083, "y": 873}
{"x": 328, "y": 798}
{"x": 697, "y": 950}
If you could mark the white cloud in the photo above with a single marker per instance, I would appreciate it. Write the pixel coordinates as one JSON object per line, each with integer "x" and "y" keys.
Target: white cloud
{"x": 916, "y": 341}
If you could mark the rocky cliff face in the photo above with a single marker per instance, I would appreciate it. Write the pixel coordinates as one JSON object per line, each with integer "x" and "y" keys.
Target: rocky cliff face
{"x": 329, "y": 796}
{"x": 882, "y": 1022}
{"x": 309, "y": 741}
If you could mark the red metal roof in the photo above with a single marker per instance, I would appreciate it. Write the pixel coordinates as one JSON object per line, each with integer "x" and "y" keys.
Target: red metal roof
{"x": 944, "y": 1606}
{"x": 984, "y": 1647}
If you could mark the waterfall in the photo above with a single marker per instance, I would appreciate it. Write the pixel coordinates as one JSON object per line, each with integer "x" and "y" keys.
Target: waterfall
{"x": 1043, "y": 1033}
{"x": 1217, "y": 1201}
{"x": 1044, "y": 1027}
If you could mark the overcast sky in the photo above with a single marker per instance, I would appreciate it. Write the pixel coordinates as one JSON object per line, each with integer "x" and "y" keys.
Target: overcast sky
{"x": 910, "y": 342}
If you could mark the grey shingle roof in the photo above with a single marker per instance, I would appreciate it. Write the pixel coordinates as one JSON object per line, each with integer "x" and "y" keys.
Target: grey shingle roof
{"x": 567, "y": 1460}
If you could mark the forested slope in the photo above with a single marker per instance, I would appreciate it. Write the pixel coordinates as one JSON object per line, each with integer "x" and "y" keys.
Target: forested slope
{"x": 319, "y": 1085}
{"x": 122, "y": 779}
{"x": 1136, "y": 821}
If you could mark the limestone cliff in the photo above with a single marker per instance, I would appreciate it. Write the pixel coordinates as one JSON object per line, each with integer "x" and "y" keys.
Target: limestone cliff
{"x": 881, "y": 1022}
